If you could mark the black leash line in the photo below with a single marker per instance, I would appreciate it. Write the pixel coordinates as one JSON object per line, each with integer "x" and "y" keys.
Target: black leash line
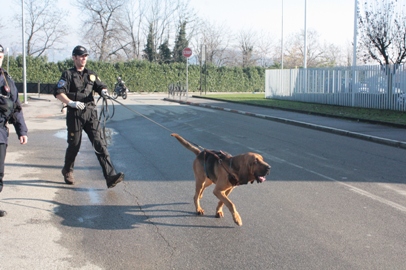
{"x": 105, "y": 108}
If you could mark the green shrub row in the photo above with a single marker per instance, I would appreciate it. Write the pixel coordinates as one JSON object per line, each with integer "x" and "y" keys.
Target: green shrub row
{"x": 144, "y": 76}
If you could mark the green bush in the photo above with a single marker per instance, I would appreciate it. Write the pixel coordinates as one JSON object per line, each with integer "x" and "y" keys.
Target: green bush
{"x": 143, "y": 76}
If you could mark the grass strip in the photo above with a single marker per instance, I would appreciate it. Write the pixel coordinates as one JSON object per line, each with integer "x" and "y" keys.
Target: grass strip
{"x": 389, "y": 117}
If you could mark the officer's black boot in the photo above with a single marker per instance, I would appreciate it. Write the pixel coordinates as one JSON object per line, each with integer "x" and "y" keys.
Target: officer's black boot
{"x": 113, "y": 180}
{"x": 2, "y": 213}
{"x": 68, "y": 177}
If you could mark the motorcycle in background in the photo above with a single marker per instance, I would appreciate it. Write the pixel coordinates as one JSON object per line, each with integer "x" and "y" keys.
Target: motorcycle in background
{"x": 120, "y": 89}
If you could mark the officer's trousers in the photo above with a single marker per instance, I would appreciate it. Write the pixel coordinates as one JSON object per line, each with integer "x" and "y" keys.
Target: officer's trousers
{"x": 3, "y": 150}
{"x": 76, "y": 121}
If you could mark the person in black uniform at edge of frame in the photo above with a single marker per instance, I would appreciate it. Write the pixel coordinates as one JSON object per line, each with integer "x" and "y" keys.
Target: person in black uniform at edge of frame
{"x": 11, "y": 112}
{"x": 75, "y": 88}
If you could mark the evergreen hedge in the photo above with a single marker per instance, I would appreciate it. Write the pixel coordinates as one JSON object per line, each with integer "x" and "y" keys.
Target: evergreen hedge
{"x": 144, "y": 76}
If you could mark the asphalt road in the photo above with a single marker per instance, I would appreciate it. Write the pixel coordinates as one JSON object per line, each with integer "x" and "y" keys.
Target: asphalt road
{"x": 330, "y": 202}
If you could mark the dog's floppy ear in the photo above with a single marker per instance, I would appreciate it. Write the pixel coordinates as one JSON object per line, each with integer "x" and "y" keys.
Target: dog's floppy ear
{"x": 246, "y": 168}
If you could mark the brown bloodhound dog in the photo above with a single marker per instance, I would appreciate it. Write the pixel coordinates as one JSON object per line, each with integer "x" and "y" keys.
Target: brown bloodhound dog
{"x": 226, "y": 172}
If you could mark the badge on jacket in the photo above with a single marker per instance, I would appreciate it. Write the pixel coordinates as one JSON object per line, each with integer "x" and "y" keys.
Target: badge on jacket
{"x": 61, "y": 83}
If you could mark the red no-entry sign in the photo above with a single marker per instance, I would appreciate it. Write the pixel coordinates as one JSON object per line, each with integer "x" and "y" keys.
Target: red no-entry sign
{"x": 187, "y": 52}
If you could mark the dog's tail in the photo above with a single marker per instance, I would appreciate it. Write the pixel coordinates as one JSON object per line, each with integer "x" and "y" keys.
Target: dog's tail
{"x": 186, "y": 144}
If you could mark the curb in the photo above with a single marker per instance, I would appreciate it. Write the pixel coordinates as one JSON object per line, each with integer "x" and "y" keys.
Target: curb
{"x": 394, "y": 143}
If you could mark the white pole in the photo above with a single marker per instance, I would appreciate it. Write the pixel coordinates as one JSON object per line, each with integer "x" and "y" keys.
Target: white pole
{"x": 282, "y": 49}
{"x": 305, "y": 47}
{"x": 8, "y": 64}
{"x": 305, "y": 36}
{"x": 187, "y": 79}
{"x": 354, "y": 53}
{"x": 24, "y": 61}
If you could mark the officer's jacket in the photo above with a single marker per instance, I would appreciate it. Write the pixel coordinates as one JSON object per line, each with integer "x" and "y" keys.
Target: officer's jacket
{"x": 79, "y": 86}
{"x": 10, "y": 108}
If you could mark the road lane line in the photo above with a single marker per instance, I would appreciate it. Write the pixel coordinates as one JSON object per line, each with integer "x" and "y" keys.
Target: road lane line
{"x": 351, "y": 188}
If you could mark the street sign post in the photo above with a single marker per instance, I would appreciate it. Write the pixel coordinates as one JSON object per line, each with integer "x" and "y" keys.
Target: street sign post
{"x": 187, "y": 52}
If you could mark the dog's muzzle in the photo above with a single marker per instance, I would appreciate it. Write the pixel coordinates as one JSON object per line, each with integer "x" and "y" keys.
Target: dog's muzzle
{"x": 261, "y": 178}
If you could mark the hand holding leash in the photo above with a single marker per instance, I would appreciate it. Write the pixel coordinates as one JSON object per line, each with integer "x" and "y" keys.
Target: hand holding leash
{"x": 76, "y": 105}
{"x": 105, "y": 93}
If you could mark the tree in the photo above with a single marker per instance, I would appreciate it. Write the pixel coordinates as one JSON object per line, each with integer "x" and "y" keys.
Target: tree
{"x": 215, "y": 39}
{"x": 318, "y": 54}
{"x": 150, "y": 51}
{"x": 102, "y": 30}
{"x": 264, "y": 49}
{"x": 382, "y": 32}
{"x": 131, "y": 25}
{"x": 138, "y": 15}
{"x": 246, "y": 40}
{"x": 44, "y": 27}
{"x": 164, "y": 54}
{"x": 180, "y": 43}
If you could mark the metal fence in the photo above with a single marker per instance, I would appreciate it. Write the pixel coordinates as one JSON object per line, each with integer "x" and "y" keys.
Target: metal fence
{"x": 178, "y": 88}
{"x": 39, "y": 88}
{"x": 378, "y": 87}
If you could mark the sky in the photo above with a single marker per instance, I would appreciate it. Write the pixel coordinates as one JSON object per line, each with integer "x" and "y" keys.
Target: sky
{"x": 333, "y": 20}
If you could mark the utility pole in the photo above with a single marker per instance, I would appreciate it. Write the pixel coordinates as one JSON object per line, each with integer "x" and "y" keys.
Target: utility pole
{"x": 24, "y": 60}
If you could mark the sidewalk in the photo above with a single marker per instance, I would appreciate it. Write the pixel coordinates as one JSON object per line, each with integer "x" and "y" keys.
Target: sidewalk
{"x": 371, "y": 132}
{"x": 27, "y": 235}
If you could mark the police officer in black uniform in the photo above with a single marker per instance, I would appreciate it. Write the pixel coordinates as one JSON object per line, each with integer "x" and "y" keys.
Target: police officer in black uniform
{"x": 10, "y": 112}
{"x": 75, "y": 88}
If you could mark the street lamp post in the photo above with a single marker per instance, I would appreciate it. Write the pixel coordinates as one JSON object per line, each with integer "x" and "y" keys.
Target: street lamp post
{"x": 8, "y": 64}
{"x": 24, "y": 61}
{"x": 354, "y": 54}
{"x": 305, "y": 36}
{"x": 282, "y": 48}
{"x": 305, "y": 47}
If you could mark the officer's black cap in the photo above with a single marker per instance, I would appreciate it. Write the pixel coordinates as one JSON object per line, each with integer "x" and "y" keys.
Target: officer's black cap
{"x": 79, "y": 50}
{"x": 1, "y": 49}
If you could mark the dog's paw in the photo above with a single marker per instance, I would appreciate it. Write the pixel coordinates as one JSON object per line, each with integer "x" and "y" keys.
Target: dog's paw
{"x": 237, "y": 219}
{"x": 200, "y": 212}
{"x": 219, "y": 214}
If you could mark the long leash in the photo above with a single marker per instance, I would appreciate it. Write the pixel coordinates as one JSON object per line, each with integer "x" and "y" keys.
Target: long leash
{"x": 106, "y": 116}
{"x": 134, "y": 111}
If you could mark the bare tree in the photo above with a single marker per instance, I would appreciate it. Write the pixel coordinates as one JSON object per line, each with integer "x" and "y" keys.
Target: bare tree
{"x": 215, "y": 39}
{"x": 264, "y": 50}
{"x": 246, "y": 40}
{"x": 45, "y": 28}
{"x": 160, "y": 14}
{"x": 168, "y": 16}
{"x": 131, "y": 26}
{"x": 382, "y": 32}
{"x": 318, "y": 54}
{"x": 165, "y": 17}
{"x": 103, "y": 33}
